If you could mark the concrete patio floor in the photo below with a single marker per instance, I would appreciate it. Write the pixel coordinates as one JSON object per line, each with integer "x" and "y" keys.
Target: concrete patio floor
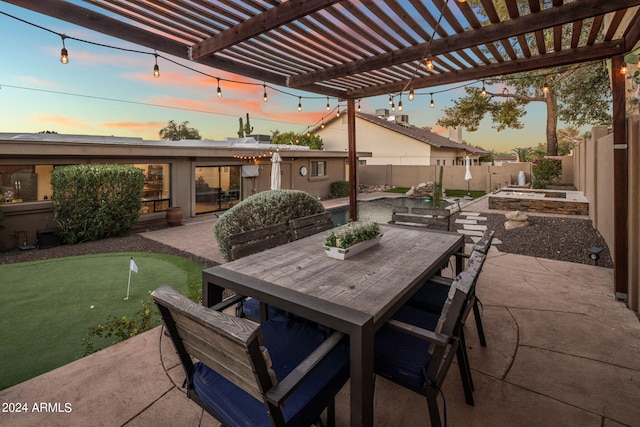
{"x": 560, "y": 352}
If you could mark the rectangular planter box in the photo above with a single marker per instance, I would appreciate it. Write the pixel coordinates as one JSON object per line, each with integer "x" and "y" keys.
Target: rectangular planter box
{"x": 342, "y": 254}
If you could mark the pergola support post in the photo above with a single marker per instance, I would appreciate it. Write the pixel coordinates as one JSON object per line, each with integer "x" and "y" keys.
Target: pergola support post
{"x": 353, "y": 161}
{"x": 620, "y": 181}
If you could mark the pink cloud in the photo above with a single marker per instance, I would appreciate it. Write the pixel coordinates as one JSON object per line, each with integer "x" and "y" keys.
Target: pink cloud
{"x": 59, "y": 120}
{"x": 137, "y": 126}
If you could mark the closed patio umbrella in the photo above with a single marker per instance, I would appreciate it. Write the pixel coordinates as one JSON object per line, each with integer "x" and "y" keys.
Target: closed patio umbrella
{"x": 275, "y": 171}
{"x": 467, "y": 176}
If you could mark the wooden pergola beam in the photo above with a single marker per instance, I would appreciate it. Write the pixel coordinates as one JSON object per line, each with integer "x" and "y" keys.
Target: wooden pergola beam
{"x": 259, "y": 24}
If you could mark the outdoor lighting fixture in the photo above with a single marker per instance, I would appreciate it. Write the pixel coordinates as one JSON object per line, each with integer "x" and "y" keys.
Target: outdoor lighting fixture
{"x": 338, "y": 113}
{"x": 400, "y": 105}
{"x": 359, "y": 108}
{"x": 64, "y": 55}
{"x": 594, "y": 254}
{"x": 219, "y": 90}
{"x": 429, "y": 64}
{"x": 483, "y": 92}
{"x": 393, "y": 106}
{"x": 390, "y": 100}
{"x": 623, "y": 69}
{"x": 431, "y": 104}
{"x": 299, "y": 103}
{"x": 411, "y": 94}
{"x": 328, "y": 106}
{"x": 265, "y": 98}
{"x": 156, "y": 69}
{"x": 322, "y": 125}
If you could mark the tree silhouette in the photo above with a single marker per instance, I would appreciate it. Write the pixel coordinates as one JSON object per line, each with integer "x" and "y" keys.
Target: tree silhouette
{"x": 177, "y": 132}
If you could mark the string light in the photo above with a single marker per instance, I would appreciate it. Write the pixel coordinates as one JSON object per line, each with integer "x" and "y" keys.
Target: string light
{"x": 338, "y": 113}
{"x": 359, "y": 109}
{"x": 483, "y": 91}
{"x": 328, "y": 106}
{"x": 400, "y": 104}
{"x": 64, "y": 55}
{"x": 432, "y": 104}
{"x": 545, "y": 88}
{"x": 390, "y": 100}
{"x": 265, "y": 98}
{"x": 411, "y": 94}
{"x": 322, "y": 125}
{"x": 393, "y": 106}
{"x": 219, "y": 90}
{"x": 429, "y": 64}
{"x": 623, "y": 69}
{"x": 299, "y": 103}
{"x": 156, "y": 69}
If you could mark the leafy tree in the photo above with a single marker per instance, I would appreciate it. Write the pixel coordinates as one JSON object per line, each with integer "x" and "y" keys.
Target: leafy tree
{"x": 177, "y": 132}
{"x": 578, "y": 94}
{"x": 291, "y": 138}
{"x": 47, "y": 131}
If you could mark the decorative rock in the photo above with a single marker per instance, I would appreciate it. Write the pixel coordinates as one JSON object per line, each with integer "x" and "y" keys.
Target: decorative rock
{"x": 510, "y": 225}
{"x": 516, "y": 216}
{"x": 410, "y": 192}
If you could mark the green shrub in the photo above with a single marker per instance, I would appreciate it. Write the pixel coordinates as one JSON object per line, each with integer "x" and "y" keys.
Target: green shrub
{"x": 92, "y": 202}
{"x": 546, "y": 171}
{"x": 340, "y": 188}
{"x": 262, "y": 209}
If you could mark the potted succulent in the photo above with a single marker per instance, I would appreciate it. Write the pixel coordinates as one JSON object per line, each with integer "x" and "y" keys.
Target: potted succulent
{"x": 352, "y": 238}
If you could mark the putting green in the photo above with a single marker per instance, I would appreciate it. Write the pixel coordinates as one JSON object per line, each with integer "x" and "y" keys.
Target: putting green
{"x": 47, "y": 307}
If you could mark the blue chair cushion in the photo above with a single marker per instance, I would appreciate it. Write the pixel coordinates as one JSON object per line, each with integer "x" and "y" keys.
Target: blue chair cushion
{"x": 430, "y": 297}
{"x": 251, "y": 310}
{"x": 401, "y": 357}
{"x": 289, "y": 342}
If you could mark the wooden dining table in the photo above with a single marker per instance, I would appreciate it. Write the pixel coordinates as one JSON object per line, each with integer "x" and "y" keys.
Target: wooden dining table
{"x": 355, "y": 296}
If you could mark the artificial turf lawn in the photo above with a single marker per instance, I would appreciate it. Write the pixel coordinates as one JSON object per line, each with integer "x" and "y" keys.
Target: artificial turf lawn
{"x": 45, "y": 305}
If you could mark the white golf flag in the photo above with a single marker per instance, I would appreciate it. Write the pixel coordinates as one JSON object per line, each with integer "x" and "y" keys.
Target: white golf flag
{"x": 132, "y": 266}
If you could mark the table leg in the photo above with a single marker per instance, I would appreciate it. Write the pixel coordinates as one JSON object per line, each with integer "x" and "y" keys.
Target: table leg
{"x": 362, "y": 381}
{"x": 211, "y": 294}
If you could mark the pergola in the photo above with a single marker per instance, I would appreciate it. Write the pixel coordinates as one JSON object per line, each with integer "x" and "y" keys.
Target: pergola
{"x": 356, "y": 49}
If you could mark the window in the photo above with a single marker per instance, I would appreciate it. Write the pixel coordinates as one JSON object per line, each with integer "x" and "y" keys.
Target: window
{"x": 438, "y": 162}
{"x": 25, "y": 183}
{"x": 318, "y": 168}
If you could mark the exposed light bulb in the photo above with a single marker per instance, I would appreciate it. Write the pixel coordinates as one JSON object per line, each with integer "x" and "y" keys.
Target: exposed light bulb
{"x": 359, "y": 108}
{"x": 483, "y": 92}
{"x": 299, "y": 103}
{"x": 432, "y": 104}
{"x": 219, "y": 90}
{"x": 429, "y": 65}
{"x": 400, "y": 105}
{"x": 393, "y": 107}
{"x": 338, "y": 113}
{"x": 623, "y": 69}
{"x": 328, "y": 106}
{"x": 156, "y": 69}
{"x": 322, "y": 125}
{"x": 64, "y": 55}
{"x": 390, "y": 100}
{"x": 545, "y": 88}
{"x": 411, "y": 95}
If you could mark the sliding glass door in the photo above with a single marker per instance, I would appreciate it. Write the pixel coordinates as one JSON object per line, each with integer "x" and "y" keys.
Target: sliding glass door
{"x": 217, "y": 188}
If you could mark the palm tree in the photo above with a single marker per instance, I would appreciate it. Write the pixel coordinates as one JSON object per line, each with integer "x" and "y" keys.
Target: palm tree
{"x": 177, "y": 132}
{"x": 523, "y": 153}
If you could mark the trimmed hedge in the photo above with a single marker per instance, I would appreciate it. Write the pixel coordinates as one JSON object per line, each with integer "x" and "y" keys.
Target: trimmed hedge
{"x": 340, "y": 188}
{"x": 92, "y": 202}
{"x": 262, "y": 209}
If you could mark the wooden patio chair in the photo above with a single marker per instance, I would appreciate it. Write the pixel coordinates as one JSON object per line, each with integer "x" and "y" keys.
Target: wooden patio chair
{"x": 309, "y": 225}
{"x": 280, "y": 373}
{"x": 416, "y": 348}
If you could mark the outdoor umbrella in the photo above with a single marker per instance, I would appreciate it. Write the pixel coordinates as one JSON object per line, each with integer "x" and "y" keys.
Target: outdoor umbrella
{"x": 467, "y": 175}
{"x": 275, "y": 171}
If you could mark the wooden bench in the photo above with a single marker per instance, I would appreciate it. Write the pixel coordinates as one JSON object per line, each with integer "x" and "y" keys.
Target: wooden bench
{"x": 246, "y": 372}
{"x": 253, "y": 241}
{"x": 309, "y": 225}
{"x": 437, "y": 219}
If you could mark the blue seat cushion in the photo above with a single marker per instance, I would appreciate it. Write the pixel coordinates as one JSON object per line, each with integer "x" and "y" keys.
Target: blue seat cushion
{"x": 289, "y": 342}
{"x": 401, "y": 357}
{"x": 251, "y": 310}
{"x": 431, "y": 297}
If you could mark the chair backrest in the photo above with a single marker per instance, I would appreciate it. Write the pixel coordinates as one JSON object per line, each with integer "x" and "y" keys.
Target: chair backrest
{"x": 253, "y": 241}
{"x": 309, "y": 225}
{"x": 433, "y": 220}
{"x": 229, "y": 345}
{"x": 461, "y": 290}
{"x": 484, "y": 243}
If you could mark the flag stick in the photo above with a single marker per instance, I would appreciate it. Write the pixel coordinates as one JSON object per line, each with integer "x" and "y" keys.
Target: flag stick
{"x": 129, "y": 281}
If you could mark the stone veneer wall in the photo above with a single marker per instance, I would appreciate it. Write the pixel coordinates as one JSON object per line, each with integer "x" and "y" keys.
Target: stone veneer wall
{"x": 539, "y": 205}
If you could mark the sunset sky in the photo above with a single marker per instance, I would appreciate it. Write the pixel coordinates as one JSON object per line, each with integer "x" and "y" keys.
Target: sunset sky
{"x": 104, "y": 91}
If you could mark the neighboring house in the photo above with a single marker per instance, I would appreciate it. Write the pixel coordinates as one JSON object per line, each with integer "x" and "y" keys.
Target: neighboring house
{"x": 393, "y": 141}
{"x": 199, "y": 176}
{"x": 508, "y": 158}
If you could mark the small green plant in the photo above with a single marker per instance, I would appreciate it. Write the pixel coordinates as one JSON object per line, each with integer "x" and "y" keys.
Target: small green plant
{"x": 122, "y": 328}
{"x": 340, "y": 188}
{"x": 351, "y": 234}
{"x": 546, "y": 171}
